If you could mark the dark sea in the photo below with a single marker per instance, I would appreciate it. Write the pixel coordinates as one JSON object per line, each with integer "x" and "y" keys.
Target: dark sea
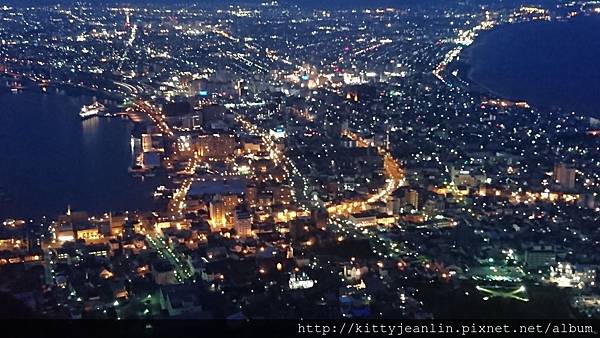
{"x": 549, "y": 64}
{"x": 50, "y": 158}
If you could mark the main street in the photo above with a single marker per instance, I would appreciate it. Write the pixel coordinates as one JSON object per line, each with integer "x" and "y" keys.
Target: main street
{"x": 181, "y": 268}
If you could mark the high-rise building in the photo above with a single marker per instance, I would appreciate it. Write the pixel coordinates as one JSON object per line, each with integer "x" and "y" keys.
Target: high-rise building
{"x": 412, "y": 198}
{"x": 242, "y": 222}
{"x": 251, "y": 194}
{"x": 404, "y": 197}
{"x": 564, "y": 175}
{"x": 217, "y": 213}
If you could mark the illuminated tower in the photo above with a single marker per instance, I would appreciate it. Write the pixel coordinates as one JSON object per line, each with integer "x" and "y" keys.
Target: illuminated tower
{"x": 217, "y": 213}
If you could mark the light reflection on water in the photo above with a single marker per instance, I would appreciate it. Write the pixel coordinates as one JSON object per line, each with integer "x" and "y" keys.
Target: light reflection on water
{"x": 52, "y": 158}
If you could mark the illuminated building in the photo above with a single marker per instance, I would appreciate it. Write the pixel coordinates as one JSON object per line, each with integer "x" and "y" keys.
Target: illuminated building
{"x": 116, "y": 224}
{"x": 261, "y": 165}
{"x": 147, "y": 142}
{"x": 191, "y": 121}
{"x": 566, "y": 275}
{"x": 242, "y": 222}
{"x": 136, "y": 148}
{"x": 64, "y": 232}
{"x": 251, "y": 194}
{"x": 98, "y": 250}
{"x": 413, "y": 218}
{"x": 252, "y": 145}
{"x": 467, "y": 177}
{"x": 87, "y": 232}
{"x": 300, "y": 281}
{"x": 10, "y": 242}
{"x": 278, "y": 132}
{"x": 353, "y": 273}
{"x": 69, "y": 223}
{"x": 385, "y": 219}
{"x": 265, "y": 200}
{"x": 230, "y": 202}
{"x": 216, "y": 145}
{"x": 412, "y": 198}
{"x": 151, "y": 142}
{"x": 364, "y": 219}
{"x": 21, "y": 257}
{"x": 404, "y": 198}
{"x": 283, "y": 214}
{"x": 13, "y": 236}
{"x": 282, "y": 194}
{"x": 104, "y": 224}
{"x": 564, "y": 175}
{"x": 241, "y": 87}
{"x": 217, "y": 213}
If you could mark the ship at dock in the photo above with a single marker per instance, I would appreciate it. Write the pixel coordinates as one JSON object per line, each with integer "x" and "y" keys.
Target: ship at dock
{"x": 91, "y": 110}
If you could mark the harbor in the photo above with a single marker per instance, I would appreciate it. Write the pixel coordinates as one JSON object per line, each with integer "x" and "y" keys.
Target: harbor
{"x": 53, "y": 158}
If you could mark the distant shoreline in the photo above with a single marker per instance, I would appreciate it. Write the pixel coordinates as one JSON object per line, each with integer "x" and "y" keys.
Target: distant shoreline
{"x": 466, "y": 69}
{"x": 466, "y": 72}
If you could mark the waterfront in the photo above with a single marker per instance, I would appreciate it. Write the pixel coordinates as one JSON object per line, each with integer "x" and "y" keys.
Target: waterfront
{"x": 550, "y": 64}
{"x": 321, "y": 164}
{"x": 51, "y": 158}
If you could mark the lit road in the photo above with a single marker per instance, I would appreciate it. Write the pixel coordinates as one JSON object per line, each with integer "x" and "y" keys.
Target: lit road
{"x": 157, "y": 117}
{"x": 465, "y": 38}
{"x": 275, "y": 154}
{"x": 382, "y": 246}
{"x": 182, "y": 270}
{"x": 299, "y": 182}
{"x": 395, "y": 179}
{"x": 177, "y": 203}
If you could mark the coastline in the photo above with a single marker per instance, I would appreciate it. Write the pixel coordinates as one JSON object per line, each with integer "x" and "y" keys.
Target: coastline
{"x": 468, "y": 69}
{"x": 96, "y": 144}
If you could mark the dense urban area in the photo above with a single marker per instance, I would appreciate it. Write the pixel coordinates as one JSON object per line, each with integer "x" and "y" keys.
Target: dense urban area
{"x": 320, "y": 164}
